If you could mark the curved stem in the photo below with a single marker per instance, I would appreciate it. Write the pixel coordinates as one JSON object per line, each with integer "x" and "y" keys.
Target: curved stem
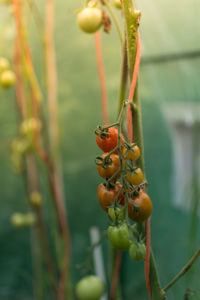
{"x": 183, "y": 271}
{"x": 109, "y": 7}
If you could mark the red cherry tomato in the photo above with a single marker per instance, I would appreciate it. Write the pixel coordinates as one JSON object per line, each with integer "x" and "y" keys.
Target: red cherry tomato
{"x": 140, "y": 207}
{"x": 109, "y": 142}
{"x": 107, "y": 196}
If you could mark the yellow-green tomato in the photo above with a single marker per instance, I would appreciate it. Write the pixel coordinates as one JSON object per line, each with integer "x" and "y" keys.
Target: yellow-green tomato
{"x": 7, "y": 78}
{"x": 116, "y": 213}
{"x": 90, "y": 288}
{"x": 90, "y": 19}
{"x": 117, "y": 4}
{"x": 35, "y": 199}
{"x": 119, "y": 236}
{"x": 137, "y": 251}
{"x": 17, "y": 220}
{"x": 4, "y": 64}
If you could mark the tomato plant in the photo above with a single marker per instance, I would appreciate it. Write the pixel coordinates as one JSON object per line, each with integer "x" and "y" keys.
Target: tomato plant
{"x": 135, "y": 177}
{"x": 90, "y": 19}
{"x": 137, "y": 251}
{"x": 107, "y": 196}
{"x": 140, "y": 207}
{"x": 118, "y": 236}
{"x": 109, "y": 165}
{"x": 90, "y": 288}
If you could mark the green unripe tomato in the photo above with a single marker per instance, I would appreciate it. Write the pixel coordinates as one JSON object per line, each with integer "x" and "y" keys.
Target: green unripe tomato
{"x": 117, "y": 4}
{"x": 90, "y": 288}
{"x": 137, "y": 251}
{"x": 90, "y": 19}
{"x": 17, "y": 220}
{"x": 7, "y": 78}
{"x": 4, "y": 64}
{"x": 35, "y": 199}
{"x": 29, "y": 126}
{"x": 21, "y": 145}
{"x": 116, "y": 213}
{"x": 119, "y": 236}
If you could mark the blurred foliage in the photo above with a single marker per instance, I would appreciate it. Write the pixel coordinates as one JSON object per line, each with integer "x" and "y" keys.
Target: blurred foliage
{"x": 167, "y": 27}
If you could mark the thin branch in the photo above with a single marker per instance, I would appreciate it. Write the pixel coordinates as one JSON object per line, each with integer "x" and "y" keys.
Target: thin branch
{"x": 183, "y": 271}
{"x": 109, "y": 7}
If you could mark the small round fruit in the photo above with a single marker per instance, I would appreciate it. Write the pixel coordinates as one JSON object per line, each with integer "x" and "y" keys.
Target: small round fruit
{"x": 116, "y": 213}
{"x": 137, "y": 251}
{"x": 111, "y": 168}
{"x": 117, "y": 4}
{"x": 107, "y": 196}
{"x": 90, "y": 288}
{"x": 4, "y": 64}
{"x": 30, "y": 125}
{"x": 136, "y": 177}
{"x": 132, "y": 154}
{"x": 140, "y": 207}
{"x": 109, "y": 142}
{"x": 119, "y": 236}
{"x": 17, "y": 220}
{"x": 7, "y": 78}
{"x": 90, "y": 19}
{"x": 35, "y": 199}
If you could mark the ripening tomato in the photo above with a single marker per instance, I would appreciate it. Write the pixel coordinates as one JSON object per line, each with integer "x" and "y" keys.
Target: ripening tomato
{"x": 140, "y": 207}
{"x": 109, "y": 142}
{"x": 119, "y": 236}
{"x": 133, "y": 153}
{"x": 90, "y": 288}
{"x": 136, "y": 177}
{"x": 111, "y": 168}
{"x": 90, "y": 19}
{"x": 137, "y": 251}
{"x": 107, "y": 196}
{"x": 116, "y": 213}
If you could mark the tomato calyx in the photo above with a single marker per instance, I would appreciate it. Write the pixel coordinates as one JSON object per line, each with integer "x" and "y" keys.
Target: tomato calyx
{"x": 103, "y": 161}
{"x": 102, "y": 132}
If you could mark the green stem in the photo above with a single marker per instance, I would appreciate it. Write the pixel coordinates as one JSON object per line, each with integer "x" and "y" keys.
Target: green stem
{"x": 157, "y": 292}
{"x": 124, "y": 78}
{"x": 183, "y": 271}
{"x": 115, "y": 20}
{"x": 131, "y": 24}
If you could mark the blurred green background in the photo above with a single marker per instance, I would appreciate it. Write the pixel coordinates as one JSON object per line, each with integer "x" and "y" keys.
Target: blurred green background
{"x": 167, "y": 27}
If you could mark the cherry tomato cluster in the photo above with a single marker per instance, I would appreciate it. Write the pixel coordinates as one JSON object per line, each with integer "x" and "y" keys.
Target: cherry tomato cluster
{"x": 122, "y": 194}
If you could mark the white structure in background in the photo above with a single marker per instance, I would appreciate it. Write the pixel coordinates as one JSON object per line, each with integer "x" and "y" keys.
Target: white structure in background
{"x": 184, "y": 121}
{"x": 98, "y": 257}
